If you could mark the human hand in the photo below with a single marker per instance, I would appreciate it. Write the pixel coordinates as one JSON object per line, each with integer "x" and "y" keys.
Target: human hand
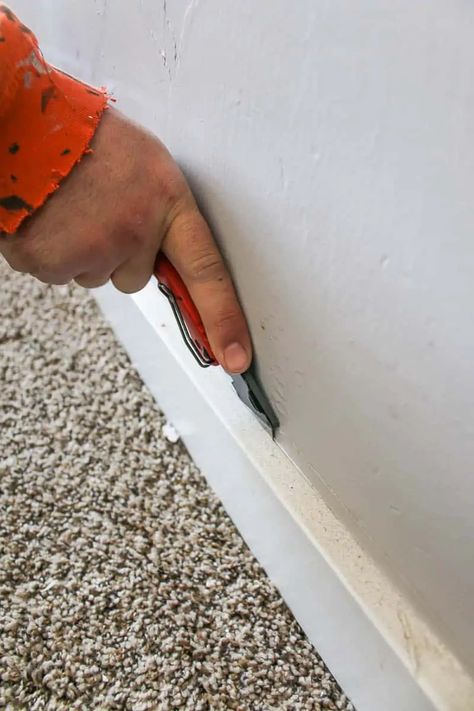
{"x": 109, "y": 218}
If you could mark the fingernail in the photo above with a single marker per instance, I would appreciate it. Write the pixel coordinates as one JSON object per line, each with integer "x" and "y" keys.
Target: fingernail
{"x": 236, "y": 358}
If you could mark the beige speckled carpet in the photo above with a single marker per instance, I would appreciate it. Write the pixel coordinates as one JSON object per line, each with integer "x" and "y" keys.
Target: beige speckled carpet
{"x": 123, "y": 583}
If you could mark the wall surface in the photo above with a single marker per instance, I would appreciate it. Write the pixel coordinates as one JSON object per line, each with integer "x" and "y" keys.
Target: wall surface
{"x": 330, "y": 145}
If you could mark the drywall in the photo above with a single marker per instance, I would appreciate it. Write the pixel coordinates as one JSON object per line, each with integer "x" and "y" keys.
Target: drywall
{"x": 330, "y": 145}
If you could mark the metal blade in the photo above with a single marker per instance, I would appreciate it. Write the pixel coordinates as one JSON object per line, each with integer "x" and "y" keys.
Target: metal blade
{"x": 251, "y": 393}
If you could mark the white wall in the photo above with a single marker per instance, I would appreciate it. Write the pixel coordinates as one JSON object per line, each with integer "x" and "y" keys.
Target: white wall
{"x": 330, "y": 144}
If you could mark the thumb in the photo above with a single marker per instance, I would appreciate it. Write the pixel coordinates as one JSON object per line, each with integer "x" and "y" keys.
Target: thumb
{"x": 190, "y": 247}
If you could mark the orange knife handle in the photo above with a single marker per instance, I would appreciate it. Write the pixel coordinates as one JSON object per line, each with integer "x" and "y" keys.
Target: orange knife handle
{"x": 187, "y": 315}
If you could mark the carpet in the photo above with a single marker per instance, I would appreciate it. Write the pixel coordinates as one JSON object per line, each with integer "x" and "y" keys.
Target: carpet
{"x": 123, "y": 583}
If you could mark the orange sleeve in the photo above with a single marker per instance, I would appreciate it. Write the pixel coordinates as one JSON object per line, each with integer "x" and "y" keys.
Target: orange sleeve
{"x": 47, "y": 120}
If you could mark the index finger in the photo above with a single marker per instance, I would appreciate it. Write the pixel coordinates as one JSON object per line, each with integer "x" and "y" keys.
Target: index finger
{"x": 190, "y": 247}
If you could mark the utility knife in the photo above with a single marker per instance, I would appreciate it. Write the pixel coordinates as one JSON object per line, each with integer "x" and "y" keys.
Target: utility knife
{"x": 194, "y": 335}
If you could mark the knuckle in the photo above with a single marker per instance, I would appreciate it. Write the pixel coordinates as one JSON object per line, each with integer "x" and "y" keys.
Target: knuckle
{"x": 206, "y": 266}
{"x": 226, "y": 321}
{"x": 172, "y": 192}
{"x": 131, "y": 234}
{"x": 96, "y": 253}
{"x": 160, "y": 176}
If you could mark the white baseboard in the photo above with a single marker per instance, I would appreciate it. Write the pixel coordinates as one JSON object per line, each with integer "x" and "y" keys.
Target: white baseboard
{"x": 376, "y": 645}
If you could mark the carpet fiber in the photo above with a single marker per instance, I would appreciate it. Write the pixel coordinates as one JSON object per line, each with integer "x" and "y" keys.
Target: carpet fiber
{"x": 123, "y": 583}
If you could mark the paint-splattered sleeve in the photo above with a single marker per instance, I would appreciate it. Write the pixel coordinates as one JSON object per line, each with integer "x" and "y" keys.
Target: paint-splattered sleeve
{"x": 47, "y": 120}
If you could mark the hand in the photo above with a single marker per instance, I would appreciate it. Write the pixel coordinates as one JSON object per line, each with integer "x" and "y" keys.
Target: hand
{"x": 109, "y": 218}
